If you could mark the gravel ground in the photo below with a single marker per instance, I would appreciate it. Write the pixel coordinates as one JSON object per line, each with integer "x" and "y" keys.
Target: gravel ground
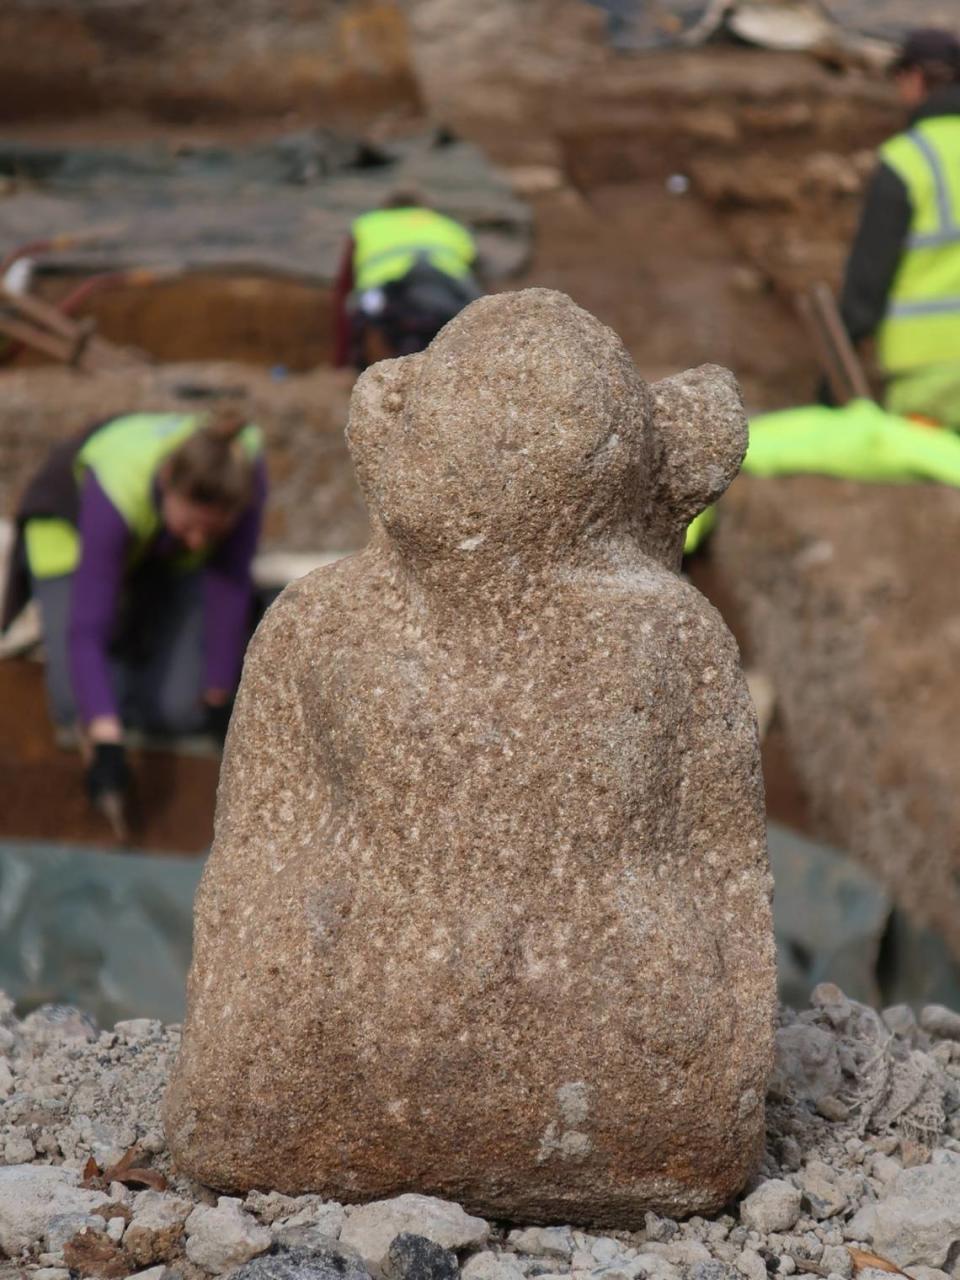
{"x": 862, "y": 1170}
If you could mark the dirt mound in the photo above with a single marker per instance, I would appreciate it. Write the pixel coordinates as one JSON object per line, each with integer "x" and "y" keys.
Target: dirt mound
{"x": 847, "y": 606}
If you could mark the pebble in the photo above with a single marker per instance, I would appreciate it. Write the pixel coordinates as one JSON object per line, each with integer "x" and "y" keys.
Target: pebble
{"x": 488, "y": 1265}
{"x": 224, "y": 1237}
{"x": 838, "y": 1261}
{"x": 606, "y": 1250}
{"x": 821, "y": 1196}
{"x": 370, "y": 1228}
{"x": 774, "y": 1206}
{"x": 548, "y": 1242}
{"x": 939, "y": 1021}
{"x": 751, "y": 1265}
{"x": 18, "y": 1149}
{"x": 901, "y": 1020}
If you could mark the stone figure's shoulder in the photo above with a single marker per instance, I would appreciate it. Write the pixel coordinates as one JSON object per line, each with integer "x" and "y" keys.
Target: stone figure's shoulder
{"x": 652, "y": 602}
{"x": 322, "y": 605}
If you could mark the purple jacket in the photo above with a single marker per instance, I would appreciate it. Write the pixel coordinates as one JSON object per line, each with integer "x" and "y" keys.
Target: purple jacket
{"x": 98, "y": 580}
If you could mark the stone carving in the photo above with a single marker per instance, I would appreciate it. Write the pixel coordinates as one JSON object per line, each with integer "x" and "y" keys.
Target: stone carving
{"x": 487, "y": 914}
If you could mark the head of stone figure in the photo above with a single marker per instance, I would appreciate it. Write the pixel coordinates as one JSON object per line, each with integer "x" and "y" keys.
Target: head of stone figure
{"x": 524, "y": 427}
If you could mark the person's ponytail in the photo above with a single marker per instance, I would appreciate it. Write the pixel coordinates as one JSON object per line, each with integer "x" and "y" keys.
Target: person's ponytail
{"x": 212, "y": 466}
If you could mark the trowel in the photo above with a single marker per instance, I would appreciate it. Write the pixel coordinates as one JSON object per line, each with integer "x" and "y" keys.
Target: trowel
{"x": 110, "y": 804}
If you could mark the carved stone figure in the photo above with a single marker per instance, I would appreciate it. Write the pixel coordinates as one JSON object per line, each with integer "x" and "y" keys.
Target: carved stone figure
{"x": 487, "y": 914}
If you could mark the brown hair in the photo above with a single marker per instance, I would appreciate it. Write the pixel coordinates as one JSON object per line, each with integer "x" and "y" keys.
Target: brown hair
{"x": 212, "y": 466}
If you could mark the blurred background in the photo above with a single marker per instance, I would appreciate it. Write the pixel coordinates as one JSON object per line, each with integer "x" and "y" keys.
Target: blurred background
{"x": 179, "y": 184}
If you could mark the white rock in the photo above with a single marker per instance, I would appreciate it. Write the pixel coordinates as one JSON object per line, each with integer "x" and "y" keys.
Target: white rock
{"x": 927, "y": 1273}
{"x": 18, "y": 1149}
{"x": 50, "y": 1273}
{"x": 821, "y": 1196}
{"x": 658, "y": 1228}
{"x": 30, "y": 1195}
{"x": 901, "y": 1020}
{"x": 751, "y": 1265}
{"x": 135, "y": 1029}
{"x": 837, "y": 1260}
{"x": 684, "y": 1253}
{"x": 606, "y": 1250}
{"x": 807, "y": 1059}
{"x": 225, "y": 1237}
{"x": 152, "y": 1273}
{"x": 116, "y": 1228}
{"x": 859, "y": 1229}
{"x": 937, "y": 1020}
{"x": 7, "y": 1084}
{"x": 370, "y": 1228}
{"x": 547, "y": 1242}
{"x": 157, "y": 1210}
{"x": 269, "y": 1206}
{"x": 622, "y": 1269}
{"x": 917, "y": 1223}
{"x": 64, "y": 1226}
{"x": 325, "y": 1217}
{"x": 774, "y": 1206}
{"x": 884, "y": 1168}
{"x": 657, "y": 1268}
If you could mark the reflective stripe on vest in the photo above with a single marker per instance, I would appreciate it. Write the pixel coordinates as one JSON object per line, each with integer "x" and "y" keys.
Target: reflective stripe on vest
{"x": 922, "y": 322}
{"x": 51, "y": 545}
{"x": 387, "y": 243}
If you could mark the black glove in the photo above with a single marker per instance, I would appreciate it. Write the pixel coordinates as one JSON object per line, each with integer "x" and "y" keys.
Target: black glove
{"x": 218, "y": 721}
{"x": 108, "y": 771}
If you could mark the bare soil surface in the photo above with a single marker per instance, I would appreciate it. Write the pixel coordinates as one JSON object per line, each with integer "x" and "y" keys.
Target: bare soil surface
{"x": 41, "y": 786}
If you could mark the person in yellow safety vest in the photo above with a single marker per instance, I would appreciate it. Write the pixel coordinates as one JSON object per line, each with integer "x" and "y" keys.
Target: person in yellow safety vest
{"x": 406, "y": 270}
{"x": 136, "y": 540}
{"x": 902, "y": 283}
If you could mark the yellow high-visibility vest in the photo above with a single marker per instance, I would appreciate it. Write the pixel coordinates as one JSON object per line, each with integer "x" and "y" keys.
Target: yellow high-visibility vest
{"x": 922, "y": 322}
{"x": 387, "y": 242}
{"x": 124, "y": 455}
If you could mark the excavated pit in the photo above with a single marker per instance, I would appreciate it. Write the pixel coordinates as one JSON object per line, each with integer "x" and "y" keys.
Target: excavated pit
{"x": 683, "y": 198}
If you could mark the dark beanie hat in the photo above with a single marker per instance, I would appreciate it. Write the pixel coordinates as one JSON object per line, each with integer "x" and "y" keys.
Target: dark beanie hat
{"x": 926, "y": 47}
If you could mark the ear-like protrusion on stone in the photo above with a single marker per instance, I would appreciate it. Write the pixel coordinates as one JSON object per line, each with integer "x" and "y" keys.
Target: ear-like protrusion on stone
{"x": 700, "y": 431}
{"x": 376, "y": 407}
